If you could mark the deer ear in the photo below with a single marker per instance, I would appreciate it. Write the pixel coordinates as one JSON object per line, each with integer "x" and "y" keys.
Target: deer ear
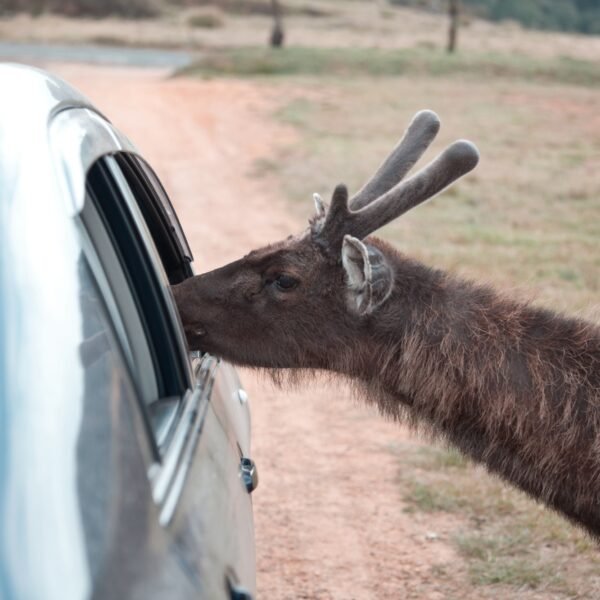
{"x": 369, "y": 278}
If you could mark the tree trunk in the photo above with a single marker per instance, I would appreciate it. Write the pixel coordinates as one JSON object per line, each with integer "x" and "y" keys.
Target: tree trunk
{"x": 277, "y": 33}
{"x": 454, "y": 14}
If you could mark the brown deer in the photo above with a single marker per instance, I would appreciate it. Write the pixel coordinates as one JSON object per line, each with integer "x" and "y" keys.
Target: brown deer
{"x": 513, "y": 386}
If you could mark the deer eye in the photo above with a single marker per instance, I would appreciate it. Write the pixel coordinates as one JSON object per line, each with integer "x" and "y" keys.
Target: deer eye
{"x": 285, "y": 282}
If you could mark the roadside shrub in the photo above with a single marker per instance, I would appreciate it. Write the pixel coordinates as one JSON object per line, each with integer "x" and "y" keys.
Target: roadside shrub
{"x": 206, "y": 20}
{"x": 558, "y": 15}
{"x": 257, "y": 7}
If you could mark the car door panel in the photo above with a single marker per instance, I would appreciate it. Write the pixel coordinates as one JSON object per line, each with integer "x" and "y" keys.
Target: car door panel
{"x": 231, "y": 406}
{"x": 210, "y": 496}
{"x": 206, "y": 544}
{"x": 127, "y": 552}
{"x": 215, "y": 506}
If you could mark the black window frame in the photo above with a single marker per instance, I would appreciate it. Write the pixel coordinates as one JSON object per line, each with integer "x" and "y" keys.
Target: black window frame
{"x": 132, "y": 253}
{"x": 108, "y": 190}
{"x": 106, "y": 296}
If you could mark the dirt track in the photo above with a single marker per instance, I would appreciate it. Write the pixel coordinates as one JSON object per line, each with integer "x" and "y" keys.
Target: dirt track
{"x": 328, "y": 510}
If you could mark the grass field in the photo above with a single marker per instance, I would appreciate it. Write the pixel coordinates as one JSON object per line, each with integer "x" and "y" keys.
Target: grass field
{"x": 511, "y": 544}
{"x": 331, "y": 24}
{"x": 377, "y": 62}
{"x": 528, "y": 220}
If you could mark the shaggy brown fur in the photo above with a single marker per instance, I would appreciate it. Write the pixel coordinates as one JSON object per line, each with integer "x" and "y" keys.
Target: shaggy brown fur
{"x": 513, "y": 386}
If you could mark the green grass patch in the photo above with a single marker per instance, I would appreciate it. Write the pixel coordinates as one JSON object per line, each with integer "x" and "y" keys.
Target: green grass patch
{"x": 426, "y": 498}
{"x": 206, "y": 20}
{"x": 375, "y": 62}
{"x": 512, "y": 572}
{"x": 510, "y": 557}
{"x": 432, "y": 458}
{"x": 507, "y": 541}
{"x": 265, "y": 8}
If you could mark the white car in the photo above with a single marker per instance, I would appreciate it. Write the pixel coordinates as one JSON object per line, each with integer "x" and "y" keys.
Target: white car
{"x": 125, "y": 467}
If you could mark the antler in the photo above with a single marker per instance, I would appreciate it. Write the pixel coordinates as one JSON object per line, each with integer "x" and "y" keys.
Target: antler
{"x": 416, "y": 139}
{"x": 366, "y": 214}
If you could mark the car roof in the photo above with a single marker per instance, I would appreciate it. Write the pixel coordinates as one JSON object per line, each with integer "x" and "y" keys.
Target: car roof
{"x": 28, "y": 87}
{"x": 50, "y": 135}
{"x": 40, "y": 329}
{"x": 30, "y": 99}
{"x": 32, "y": 104}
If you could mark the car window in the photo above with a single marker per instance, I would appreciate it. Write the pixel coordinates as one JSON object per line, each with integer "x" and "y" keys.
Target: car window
{"x": 122, "y": 303}
{"x": 135, "y": 290}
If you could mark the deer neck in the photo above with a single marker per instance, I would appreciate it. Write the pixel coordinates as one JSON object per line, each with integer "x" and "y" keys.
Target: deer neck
{"x": 513, "y": 386}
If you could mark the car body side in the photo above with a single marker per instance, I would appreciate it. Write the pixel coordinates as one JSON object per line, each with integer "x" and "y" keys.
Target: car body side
{"x": 89, "y": 504}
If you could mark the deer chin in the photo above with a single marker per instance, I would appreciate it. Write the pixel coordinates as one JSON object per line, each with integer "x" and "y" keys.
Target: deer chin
{"x": 195, "y": 336}
{"x": 203, "y": 340}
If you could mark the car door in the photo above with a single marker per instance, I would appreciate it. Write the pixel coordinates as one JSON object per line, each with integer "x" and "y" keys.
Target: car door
{"x": 196, "y": 413}
{"x": 188, "y": 421}
{"x": 122, "y": 475}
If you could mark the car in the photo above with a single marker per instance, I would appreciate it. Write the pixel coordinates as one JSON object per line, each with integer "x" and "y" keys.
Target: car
{"x": 125, "y": 461}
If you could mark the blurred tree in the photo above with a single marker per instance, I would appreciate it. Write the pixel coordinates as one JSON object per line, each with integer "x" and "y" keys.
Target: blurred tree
{"x": 559, "y": 15}
{"x": 454, "y": 14}
{"x": 589, "y": 16}
{"x": 277, "y": 32}
{"x": 539, "y": 14}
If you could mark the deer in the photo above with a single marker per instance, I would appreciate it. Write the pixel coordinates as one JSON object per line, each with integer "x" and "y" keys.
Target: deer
{"x": 512, "y": 386}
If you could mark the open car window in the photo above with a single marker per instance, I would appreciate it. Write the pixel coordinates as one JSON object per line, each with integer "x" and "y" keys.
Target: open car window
{"x": 136, "y": 292}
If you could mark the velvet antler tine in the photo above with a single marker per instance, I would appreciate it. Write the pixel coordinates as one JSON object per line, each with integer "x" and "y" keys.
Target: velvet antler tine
{"x": 457, "y": 160}
{"x": 416, "y": 139}
{"x": 336, "y": 220}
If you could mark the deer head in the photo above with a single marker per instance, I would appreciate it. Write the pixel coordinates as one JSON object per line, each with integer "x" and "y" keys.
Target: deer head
{"x": 304, "y": 300}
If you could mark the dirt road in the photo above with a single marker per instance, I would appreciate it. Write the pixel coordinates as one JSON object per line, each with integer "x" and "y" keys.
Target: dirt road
{"x": 329, "y": 515}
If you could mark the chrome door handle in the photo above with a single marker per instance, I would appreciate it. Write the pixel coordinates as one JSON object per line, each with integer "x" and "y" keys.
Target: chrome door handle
{"x": 249, "y": 474}
{"x": 238, "y": 593}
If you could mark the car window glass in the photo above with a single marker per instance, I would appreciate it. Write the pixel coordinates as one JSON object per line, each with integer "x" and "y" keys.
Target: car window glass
{"x": 123, "y": 307}
{"x": 105, "y": 377}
